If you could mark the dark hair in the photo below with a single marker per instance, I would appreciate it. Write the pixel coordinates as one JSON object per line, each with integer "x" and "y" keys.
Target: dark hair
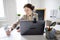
{"x": 29, "y": 6}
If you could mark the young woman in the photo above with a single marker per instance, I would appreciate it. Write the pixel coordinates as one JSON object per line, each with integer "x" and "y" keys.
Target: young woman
{"x": 30, "y": 14}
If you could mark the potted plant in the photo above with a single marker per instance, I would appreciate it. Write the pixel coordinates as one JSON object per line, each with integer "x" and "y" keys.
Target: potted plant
{"x": 50, "y": 32}
{"x": 18, "y": 16}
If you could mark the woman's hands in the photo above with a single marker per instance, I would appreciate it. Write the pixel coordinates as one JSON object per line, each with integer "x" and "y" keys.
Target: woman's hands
{"x": 8, "y": 32}
{"x": 18, "y": 30}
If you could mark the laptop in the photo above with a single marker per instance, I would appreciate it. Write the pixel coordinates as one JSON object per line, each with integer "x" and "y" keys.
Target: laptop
{"x": 32, "y": 28}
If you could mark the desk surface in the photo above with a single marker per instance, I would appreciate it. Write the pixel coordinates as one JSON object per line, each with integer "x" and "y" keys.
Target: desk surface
{"x": 16, "y": 36}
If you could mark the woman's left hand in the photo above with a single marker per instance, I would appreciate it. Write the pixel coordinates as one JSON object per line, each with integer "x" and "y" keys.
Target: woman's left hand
{"x": 18, "y": 30}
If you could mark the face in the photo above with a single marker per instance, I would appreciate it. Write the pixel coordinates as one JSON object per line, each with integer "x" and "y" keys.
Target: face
{"x": 27, "y": 10}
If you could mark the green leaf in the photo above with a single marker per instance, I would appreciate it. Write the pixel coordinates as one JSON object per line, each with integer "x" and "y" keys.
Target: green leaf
{"x": 18, "y": 14}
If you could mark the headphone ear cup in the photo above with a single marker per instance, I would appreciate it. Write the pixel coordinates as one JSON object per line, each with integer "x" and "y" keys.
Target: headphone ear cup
{"x": 34, "y": 21}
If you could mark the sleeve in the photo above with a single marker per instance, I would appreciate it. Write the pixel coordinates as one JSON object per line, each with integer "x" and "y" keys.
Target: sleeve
{"x": 17, "y": 22}
{"x": 23, "y": 18}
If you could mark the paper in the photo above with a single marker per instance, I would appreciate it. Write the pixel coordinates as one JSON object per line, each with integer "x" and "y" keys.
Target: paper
{"x": 57, "y": 27}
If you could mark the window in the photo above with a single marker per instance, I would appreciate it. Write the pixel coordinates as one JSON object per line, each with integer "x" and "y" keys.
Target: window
{"x": 1, "y": 9}
{"x": 20, "y": 4}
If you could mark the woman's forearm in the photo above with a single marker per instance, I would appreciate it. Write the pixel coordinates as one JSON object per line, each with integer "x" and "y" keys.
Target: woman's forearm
{"x": 15, "y": 25}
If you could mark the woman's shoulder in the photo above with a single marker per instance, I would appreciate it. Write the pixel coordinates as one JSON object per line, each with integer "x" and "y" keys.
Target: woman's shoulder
{"x": 35, "y": 13}
{"x": 24, "y": 16}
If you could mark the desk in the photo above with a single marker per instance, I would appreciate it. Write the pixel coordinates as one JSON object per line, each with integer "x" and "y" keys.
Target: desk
{"x": 16, "y": 36}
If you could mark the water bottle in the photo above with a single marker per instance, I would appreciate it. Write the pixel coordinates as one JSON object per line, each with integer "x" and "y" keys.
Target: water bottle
{"x": 6, "y": 27}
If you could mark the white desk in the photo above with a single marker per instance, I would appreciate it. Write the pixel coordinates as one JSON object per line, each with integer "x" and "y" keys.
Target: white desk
{"x": 16, "y": 36}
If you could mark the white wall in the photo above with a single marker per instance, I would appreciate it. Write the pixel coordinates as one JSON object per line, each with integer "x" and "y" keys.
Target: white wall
{"x": 10, "y": 8}
{"x": 50, "y": 5}
{"x": 38, "y": 3}
{"x": 58, "y": 15}
{"x": 10, "y": 11}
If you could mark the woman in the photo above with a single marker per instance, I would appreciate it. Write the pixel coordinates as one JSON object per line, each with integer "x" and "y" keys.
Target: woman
{"x": 29, "y": 10}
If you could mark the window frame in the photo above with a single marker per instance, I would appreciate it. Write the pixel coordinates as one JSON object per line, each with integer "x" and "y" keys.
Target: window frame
{"x": 2, "y": 18}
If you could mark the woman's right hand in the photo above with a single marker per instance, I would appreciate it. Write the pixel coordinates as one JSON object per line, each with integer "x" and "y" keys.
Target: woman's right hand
{"x": 8, "y": 33}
